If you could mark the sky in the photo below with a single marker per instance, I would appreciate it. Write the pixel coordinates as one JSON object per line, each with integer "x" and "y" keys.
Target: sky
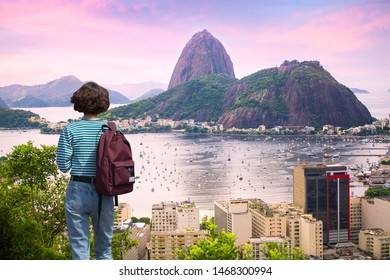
{"x": 127, "y": 42}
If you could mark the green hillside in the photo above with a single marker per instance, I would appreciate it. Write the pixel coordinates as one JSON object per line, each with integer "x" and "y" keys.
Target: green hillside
{"x": 17, "y": 119}
{"x": 197, "y": 99}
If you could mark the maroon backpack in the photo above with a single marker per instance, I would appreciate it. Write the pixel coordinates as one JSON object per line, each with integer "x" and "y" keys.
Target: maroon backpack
{"x": 114, "y": 163}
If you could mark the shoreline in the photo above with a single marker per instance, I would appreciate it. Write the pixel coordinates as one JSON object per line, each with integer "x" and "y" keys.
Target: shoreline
{"x": 384, "y": 138}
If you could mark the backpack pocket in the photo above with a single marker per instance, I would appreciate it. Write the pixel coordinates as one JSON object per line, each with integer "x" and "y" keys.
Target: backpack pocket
{"x": 123, "y": 174}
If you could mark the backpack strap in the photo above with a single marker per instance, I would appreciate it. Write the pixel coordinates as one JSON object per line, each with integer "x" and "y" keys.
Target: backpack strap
{"x": 112, "y": 126}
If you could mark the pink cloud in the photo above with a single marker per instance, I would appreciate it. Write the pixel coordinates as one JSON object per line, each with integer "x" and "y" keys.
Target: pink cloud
{"x": 333, "y": 37}
{"x": 69, "y": 34}
{"x": 122, "y": 40}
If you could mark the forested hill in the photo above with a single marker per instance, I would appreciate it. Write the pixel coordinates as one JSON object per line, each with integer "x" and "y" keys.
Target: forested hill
{"x": 293, "y": 94}
{"x": 200, "y": 99}
{"x": 10, "y": 118}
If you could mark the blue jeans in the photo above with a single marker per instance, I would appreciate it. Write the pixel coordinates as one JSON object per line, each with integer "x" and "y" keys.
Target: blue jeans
{"x": 82, "y": 202}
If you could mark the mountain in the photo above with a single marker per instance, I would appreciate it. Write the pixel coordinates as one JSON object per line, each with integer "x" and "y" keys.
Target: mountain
{"x": 357, "y": 90}
{"x": 2, "y": 104}
{"x": 197, "y": 99}
{"x": 294, "y": 94}
{"x": 149, "y": 94}
{"x": 54, "y": 93}
{"x": 133, "y": 91}
{"x": 202, "y": 56}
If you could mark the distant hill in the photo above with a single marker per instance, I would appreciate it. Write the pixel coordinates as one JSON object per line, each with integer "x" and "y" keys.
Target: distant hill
{"x": 10, "y": 118}
{"x": 149, "y": 94}
{"x": 54, "y": 93}
{"x": 135, "y": 90}
{"x": 356, "y": 90}
{"x": 2, "y": 104}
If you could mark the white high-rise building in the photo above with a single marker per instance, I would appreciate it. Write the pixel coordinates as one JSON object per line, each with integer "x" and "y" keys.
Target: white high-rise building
{"x": 311, "y": 236}
{"x": 164, "y": 217}
{"x": 187, "y": 216}
{"x": 171, "y": 216}
{"x": 174, "y": 225}
{"x": 234, "y": 217}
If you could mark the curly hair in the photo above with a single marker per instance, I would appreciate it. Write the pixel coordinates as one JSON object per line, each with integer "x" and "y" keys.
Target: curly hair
{"x": 91, "y": 98}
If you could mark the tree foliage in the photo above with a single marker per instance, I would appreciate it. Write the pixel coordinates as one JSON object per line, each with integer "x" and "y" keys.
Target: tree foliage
{"x": 15, "y": 118}
{"x": 217, "y": 246}
{"x": 279, "y": 251}
{"x": 121, "y": 243}
{"x": 200, "y": 99}
{"x": 145, "y": 220}
{"x": 32, "y": 195}
{"x": 373, "y": 192}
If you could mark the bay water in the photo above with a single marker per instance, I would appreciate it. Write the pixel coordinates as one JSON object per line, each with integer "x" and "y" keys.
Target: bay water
{"x": 176, "y": 166}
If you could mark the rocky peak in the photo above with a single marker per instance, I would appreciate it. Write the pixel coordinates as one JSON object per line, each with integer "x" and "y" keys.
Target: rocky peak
{"x": 202, "y": 56}
{"x": 288, "y": 66}
{"x": 294, "y": 94}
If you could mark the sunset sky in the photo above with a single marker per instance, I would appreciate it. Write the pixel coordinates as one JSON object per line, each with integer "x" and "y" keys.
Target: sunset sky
{"x": 118, "y": 41}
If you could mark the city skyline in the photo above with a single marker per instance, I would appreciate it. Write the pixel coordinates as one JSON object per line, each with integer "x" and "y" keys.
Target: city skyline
{"x": 116, "y": 42}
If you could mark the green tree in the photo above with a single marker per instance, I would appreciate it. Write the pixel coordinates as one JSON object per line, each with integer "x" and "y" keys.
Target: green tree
{"x": 372, "y": 192}
{"x": 217, "y": 246}
{"x": 205, "y": 224}
{"x": 145, "y": 220}
{"x": 15, "y": 118}
{"x": 278, "y": 251}
{"x": 32, "y": 194}
{"x": 120, "y": 244}
{"x": 246, "y": 252}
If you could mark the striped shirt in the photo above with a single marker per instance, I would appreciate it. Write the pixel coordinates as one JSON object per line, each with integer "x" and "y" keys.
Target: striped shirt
{"x": 77, "y": 146}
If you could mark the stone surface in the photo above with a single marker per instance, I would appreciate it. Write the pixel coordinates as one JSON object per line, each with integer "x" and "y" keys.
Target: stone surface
{"x": 202, "y": 56}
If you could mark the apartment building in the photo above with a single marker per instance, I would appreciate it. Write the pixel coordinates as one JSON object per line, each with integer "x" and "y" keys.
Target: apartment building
{"x": 163, "y": 245}
{"x": 310, "y": 237}
{"x": 164, "y": 216}
{"x": 123, "y": 213}
{"x": 174, "y": 225}
{"x": 376, "y": 213}
{"x": 355, "y": 218}
{"x": 293, "y": 231}
{"x": 267, "y": 219}
{"x": 234, "y": 217}
{"x": 187, "y": 216}
{"x": 376, "y": 242}
{"x": 171, "y": 216}
{"x": 259, "y": 243}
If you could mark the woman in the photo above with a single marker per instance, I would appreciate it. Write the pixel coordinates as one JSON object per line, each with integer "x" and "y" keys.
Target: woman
{"x": 76, "y": 154}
